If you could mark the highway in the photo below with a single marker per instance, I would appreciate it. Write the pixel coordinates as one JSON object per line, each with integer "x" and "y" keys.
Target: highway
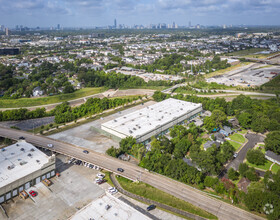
{"x": 221, "y": 209}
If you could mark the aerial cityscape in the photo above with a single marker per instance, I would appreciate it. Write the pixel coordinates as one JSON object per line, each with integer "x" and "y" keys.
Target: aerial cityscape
{"x": 136, "y": 110}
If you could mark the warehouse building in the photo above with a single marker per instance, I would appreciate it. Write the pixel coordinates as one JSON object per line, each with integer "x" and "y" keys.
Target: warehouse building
{"x": 21, "y": 166}
{"x": 153, "y": 120}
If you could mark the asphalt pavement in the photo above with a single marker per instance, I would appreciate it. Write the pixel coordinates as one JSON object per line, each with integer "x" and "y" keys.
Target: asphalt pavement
{"x": 253, "y": 139}
{"x": 182, "y": 191}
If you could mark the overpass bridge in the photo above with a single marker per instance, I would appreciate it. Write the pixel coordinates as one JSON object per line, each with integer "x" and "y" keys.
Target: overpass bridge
{"x": 182, "y": 191}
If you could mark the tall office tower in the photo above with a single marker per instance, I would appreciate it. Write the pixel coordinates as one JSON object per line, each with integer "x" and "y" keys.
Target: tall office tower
{"x": 115, "y": 23}
{"x": 7, "y": 31}
{"x": 58, "y": 27}
{"x": 190, "y": 24}
{"x": 173, "y": 26}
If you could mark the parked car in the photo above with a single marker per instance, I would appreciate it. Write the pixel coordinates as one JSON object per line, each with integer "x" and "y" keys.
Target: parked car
{"x": 50, "y": 145}
{"x": 151, "y": 207}
{"x": 100, "y": 181}
{"x": 235, "y": 155}
{"x": 32, "y": 193}
{"x": 100, "y": 176}
{"x": 112, "y": 190}
{"x": 120, "y": 169}
{"x": 85, "y": 151}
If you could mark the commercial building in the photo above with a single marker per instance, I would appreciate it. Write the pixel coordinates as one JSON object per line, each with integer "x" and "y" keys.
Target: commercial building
{"x": 21, "y": 166}
{"x": 153, "y": 120}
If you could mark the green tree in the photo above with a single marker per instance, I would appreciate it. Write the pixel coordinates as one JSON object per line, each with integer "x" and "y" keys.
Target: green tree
{"x": 272, "y": 142}
{"x": 232, "y": 174}
{"x": 255, "y": 157}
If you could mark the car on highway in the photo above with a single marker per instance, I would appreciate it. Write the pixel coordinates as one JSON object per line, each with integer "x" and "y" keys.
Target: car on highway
{"x": 85, "y": 151}
{"x": 50, "y": 145}
{"x": 33, "y": 193}
{"x": 21, "y": 138}
{"x": 120, "y": 169}
{"x": 151, "y": 207}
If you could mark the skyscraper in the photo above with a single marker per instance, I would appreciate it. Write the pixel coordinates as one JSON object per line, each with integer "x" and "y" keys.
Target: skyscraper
{"x": 115, "y": 23}
{"x": 7, "y": 31}
{"x": 190, "y": 24}
{"x": 58, "y": 27}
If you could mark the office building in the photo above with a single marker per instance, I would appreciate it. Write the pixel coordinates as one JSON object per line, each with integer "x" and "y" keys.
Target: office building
{"x": 115, "y": 23}
{"x": 21, "y": 166}
{"x": 153, "y": 120}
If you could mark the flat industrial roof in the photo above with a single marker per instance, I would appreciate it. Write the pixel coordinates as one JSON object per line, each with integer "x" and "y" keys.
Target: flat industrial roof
{"x": 118, "y": 210}
{"x": 147, "y": 119}
{"x": 19, "y": 160}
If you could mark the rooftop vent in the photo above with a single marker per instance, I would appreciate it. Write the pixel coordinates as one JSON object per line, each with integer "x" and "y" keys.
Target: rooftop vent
{"x": 22, "y": 149}
{"x": 130, "y": 131}
{"x": 32, "y": 150}
{"x": 11, "y": 167}
{"x": 38, "y": 161}
{"x": 17, "y": 145}
{"x": 29, "y": 155}
{"x": 115, "y": 120}
{"x": 122, "y": 123}
{"x": 124, "y": 117}
{"x": 140, "y": 113}
{"x": 12, "y": 153}
{"x": 181, "y": 109}
{"x": 134, "y": 129}
{"x": 22, "y": 163}
{"x": 132, "y": 120}
{"x": 3, "y": 149}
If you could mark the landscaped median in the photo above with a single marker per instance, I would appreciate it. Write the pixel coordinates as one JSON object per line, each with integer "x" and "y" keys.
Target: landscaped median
{"x": 163, "y": 200}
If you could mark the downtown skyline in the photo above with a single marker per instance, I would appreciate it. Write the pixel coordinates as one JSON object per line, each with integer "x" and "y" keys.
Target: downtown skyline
{"x": 96, "y": 13}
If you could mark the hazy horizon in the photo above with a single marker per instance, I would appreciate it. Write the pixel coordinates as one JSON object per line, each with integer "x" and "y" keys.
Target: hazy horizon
{"x": 89, "y": 13}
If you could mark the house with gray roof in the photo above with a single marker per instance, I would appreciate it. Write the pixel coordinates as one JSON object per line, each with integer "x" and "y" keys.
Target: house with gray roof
{"x": 209, "y": 144}
{"x": 273, "y": 157}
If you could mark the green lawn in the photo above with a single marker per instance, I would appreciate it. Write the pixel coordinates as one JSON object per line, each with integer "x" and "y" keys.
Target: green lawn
{"x": 27, "y": 102}
{"x": 152, "y": 193}
{"x": 242, "y": 131}
{"x": 238, "y": 138}
{"x": 266, "y": 166}
{"x": 275, "y": 168}
{"x": 235, "y": 145}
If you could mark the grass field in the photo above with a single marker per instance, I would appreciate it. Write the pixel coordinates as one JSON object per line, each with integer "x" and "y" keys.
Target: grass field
{"x": 28, "y": 102}
{"x": 275, "y": 168}
{"x": 238, "y": 138}
{"x": 234, "y": 144}
{"x": 223, "y": 71}
{"x": 266, "y": 166}
{"x": 243, "y": 131}
{"x": 152, "y": 193}
{"x": 261, "y": 56}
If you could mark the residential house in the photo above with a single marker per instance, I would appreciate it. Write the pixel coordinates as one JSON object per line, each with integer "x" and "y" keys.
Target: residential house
{"x": 219, "y": 137}
{"x": 243, "y": 184}
{"x": 273, "y": 157}
{"x": 209, "y": 144}
{"x": 226, "y": 131}
{"x": 234, "y": 122}
{"x": 37, "y": 91}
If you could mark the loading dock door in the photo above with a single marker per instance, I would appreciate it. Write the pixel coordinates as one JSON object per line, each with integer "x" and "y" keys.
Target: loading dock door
{"x": 43, "y": 177}
{"x": 52, "y": 173}
{"x": 48, "y": 175}
{"x": 14, "y": 192}
{"x": 27, "y": 185}
{"x": 1, "y": 199}
{"x": 8, "y": 196}
{"x": 37, "y": 180}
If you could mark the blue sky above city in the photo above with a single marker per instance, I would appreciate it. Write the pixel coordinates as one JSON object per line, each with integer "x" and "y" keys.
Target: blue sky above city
{"x": 88, "y": 13}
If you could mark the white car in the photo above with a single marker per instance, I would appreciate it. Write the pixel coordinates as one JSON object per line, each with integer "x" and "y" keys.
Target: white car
{"x": 50, "y": 145}
{"x": 100, "y": 176}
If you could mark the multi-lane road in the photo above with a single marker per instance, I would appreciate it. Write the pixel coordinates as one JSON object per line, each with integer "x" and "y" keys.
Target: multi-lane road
{"x": 221, "y": 209}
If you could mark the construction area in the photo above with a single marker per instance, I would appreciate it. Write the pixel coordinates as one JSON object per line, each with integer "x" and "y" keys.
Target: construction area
{"x": 247, "y": 76}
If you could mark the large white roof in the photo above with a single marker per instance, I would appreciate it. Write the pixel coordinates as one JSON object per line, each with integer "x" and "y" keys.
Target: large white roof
{"x": 147, "y": 119}
{"x": 19, "y": 160}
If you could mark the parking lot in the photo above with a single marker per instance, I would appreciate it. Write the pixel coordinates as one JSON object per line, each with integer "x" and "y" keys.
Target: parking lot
{"x": 250, "y": 75}
{"x": 87, "y": 137}
{"x": 70, "y": 192}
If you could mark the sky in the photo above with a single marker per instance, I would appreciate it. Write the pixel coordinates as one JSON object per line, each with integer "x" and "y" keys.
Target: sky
{"x": 90, "y": 13}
